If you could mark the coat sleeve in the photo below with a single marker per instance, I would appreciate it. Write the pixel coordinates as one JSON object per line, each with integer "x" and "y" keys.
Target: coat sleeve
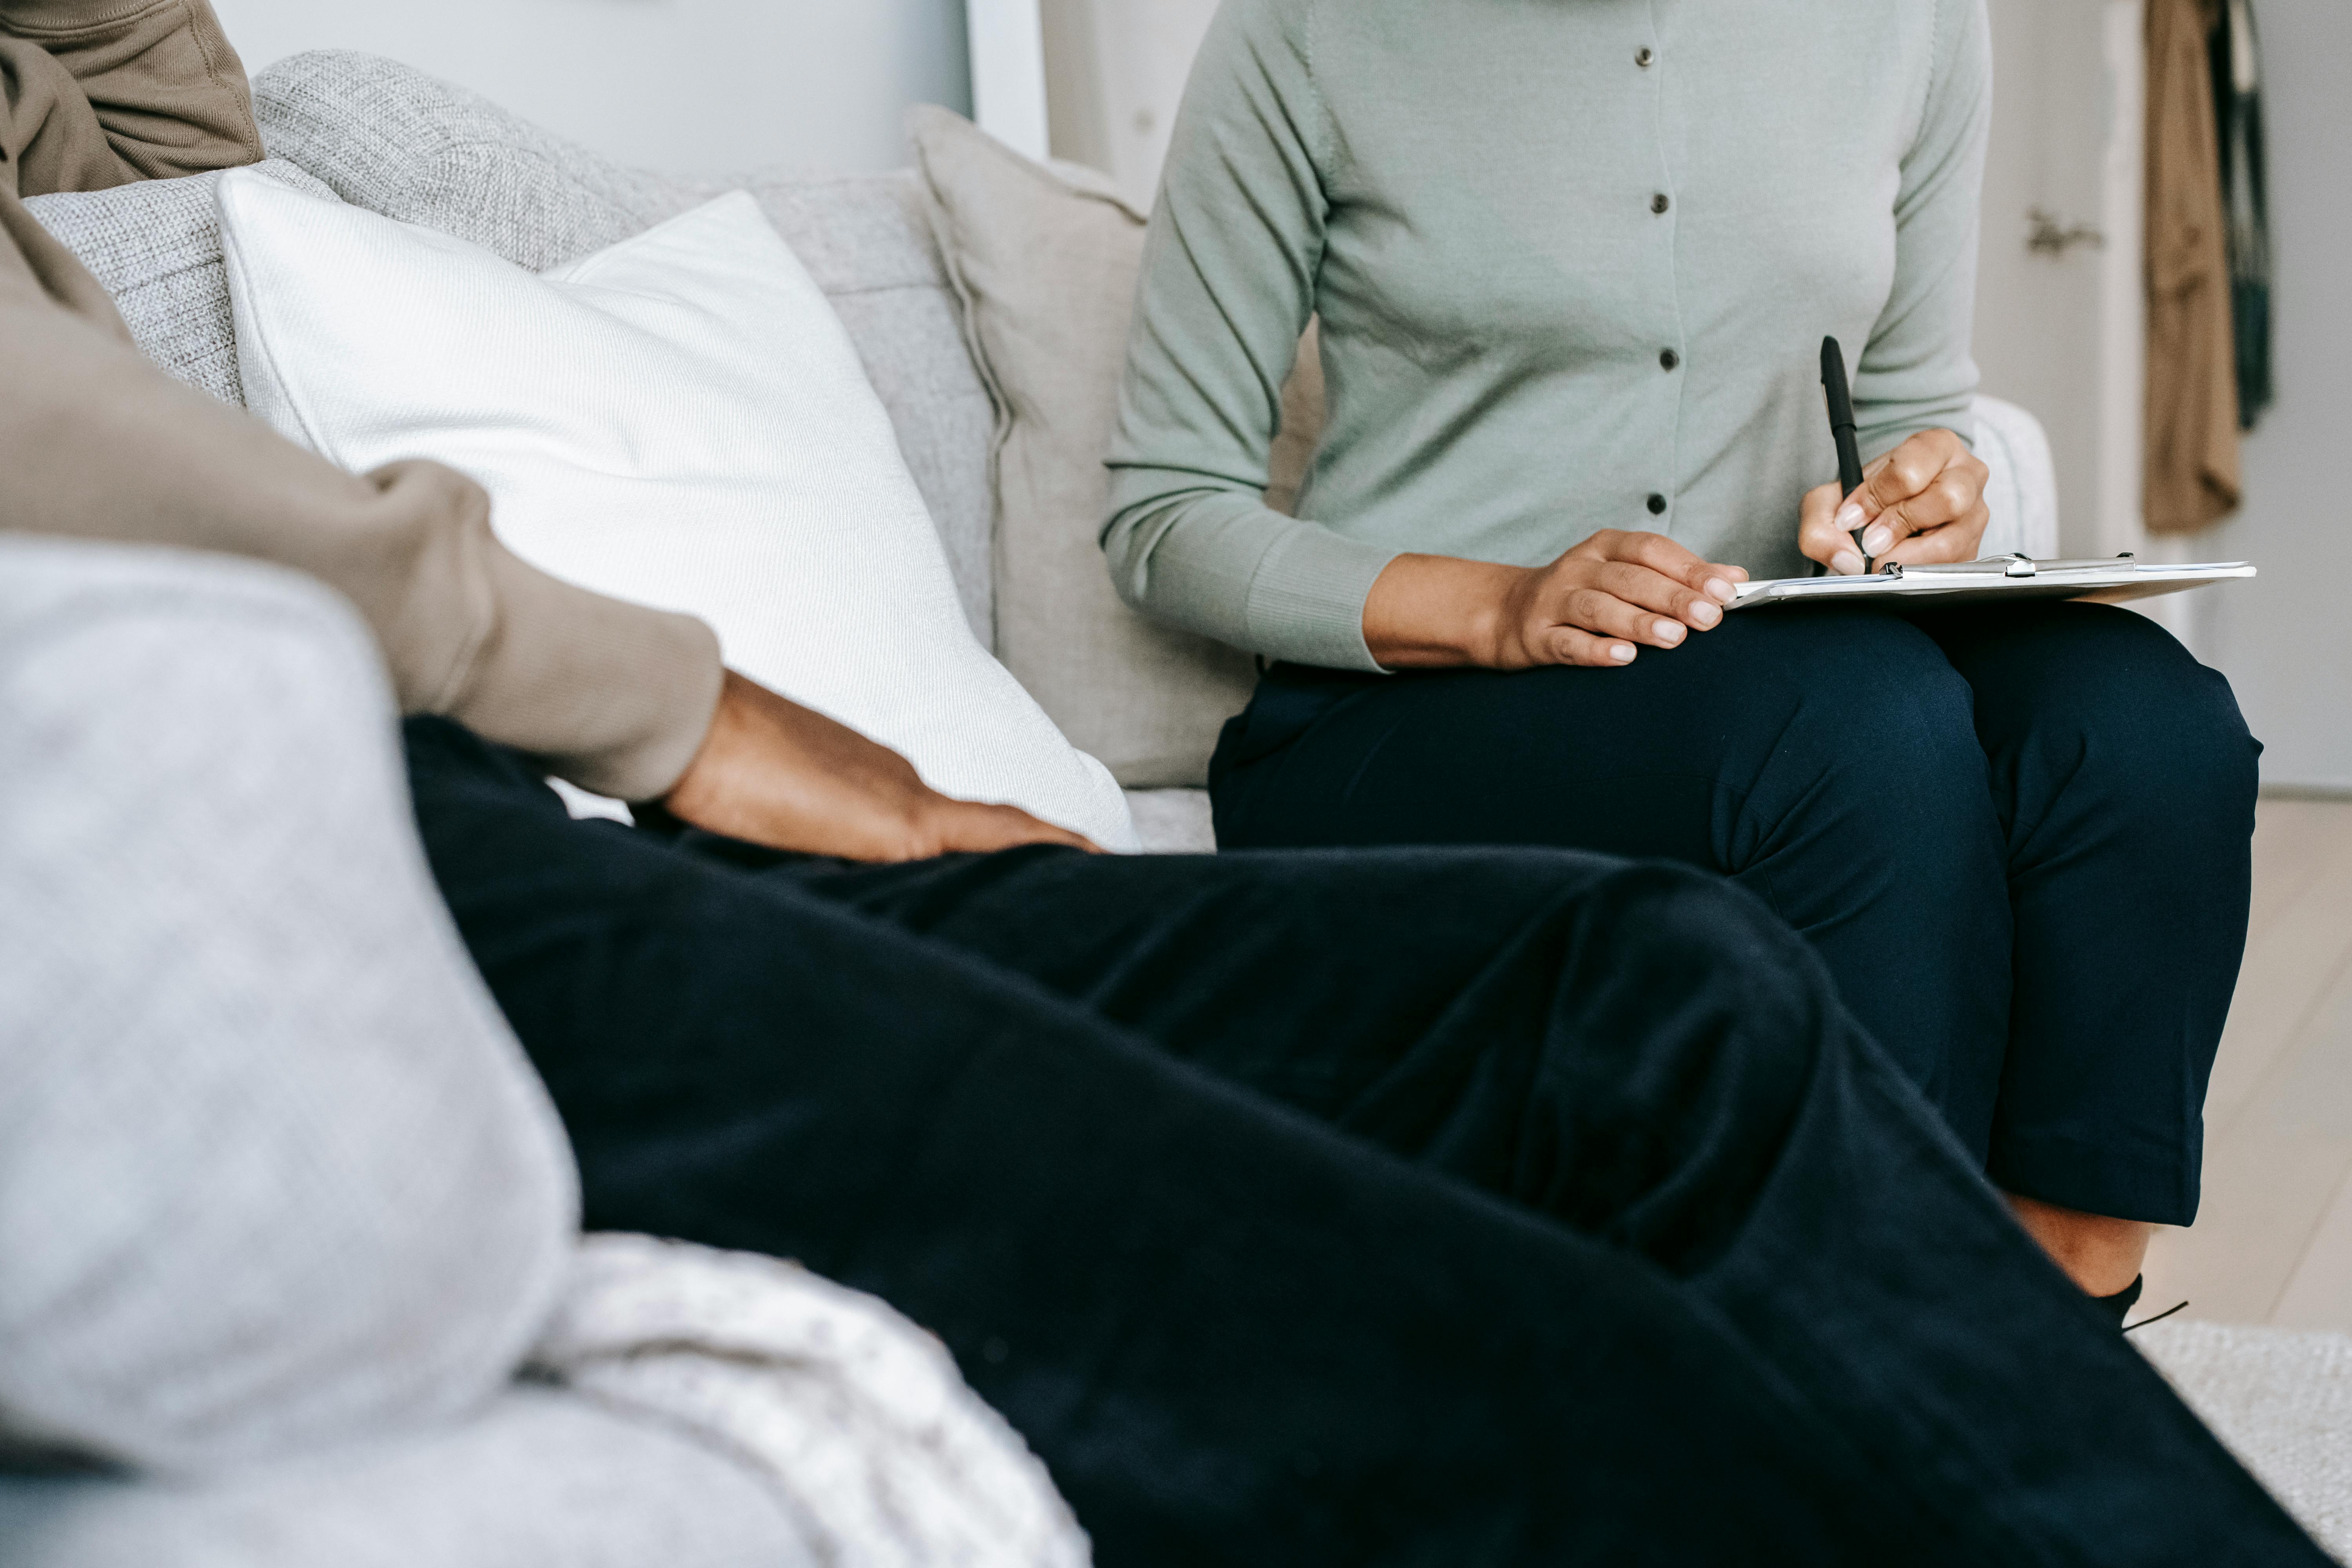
{"x": 98, "y": 93}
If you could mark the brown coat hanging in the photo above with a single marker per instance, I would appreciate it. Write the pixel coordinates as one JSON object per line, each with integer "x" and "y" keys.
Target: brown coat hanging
{"x": 2192, "y": 462}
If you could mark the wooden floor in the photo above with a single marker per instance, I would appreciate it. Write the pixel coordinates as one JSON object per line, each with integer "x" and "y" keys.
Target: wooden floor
{"x": 2272, "y": 1242}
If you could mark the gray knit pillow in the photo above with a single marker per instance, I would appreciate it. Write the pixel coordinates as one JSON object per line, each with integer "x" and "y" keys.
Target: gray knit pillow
{"x": 273, "y": 1172}
{"x": 155, "y": 244}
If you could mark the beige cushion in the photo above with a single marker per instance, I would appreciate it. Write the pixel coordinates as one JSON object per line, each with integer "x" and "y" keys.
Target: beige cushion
{"x": 1046, "y": 261}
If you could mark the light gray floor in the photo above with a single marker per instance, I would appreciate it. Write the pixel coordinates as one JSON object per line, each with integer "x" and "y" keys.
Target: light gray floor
{"x": 2273, "y": 1243}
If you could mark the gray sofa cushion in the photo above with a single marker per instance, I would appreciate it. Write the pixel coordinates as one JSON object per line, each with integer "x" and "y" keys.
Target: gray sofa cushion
{"x": 156, "y": 247}
{"x": 405, "y": 145}
{"x": 539, "y": 1479}
{"x": 273, "y": 1172}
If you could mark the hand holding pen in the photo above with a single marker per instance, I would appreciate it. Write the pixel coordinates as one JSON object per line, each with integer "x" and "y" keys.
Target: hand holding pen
{"x": 1922, "y": 502}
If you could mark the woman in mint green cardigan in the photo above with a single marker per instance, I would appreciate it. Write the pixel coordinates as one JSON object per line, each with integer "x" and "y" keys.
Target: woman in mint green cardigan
{"x": 1573, "y": 261}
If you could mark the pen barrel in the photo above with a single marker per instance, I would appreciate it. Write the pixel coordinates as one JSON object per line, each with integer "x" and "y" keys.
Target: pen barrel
{"x": 1839, "y": 396}
{"x": 1849, "y": 457}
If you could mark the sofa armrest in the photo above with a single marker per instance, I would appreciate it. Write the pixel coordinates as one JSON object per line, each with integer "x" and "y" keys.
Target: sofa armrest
{"x": 2022, "y": 491}
{"x": 273, "y": 1172}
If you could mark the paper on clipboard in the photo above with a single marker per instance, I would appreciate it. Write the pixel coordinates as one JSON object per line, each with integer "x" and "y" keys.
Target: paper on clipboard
{"x": 2107, "y": 581}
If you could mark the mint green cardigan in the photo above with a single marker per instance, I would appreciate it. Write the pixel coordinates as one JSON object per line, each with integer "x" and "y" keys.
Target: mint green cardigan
{"x": 1573, "y": 261}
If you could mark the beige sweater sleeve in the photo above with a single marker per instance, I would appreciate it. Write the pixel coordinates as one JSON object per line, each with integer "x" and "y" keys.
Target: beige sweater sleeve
{"x": 95, "y": 441}
{"x": 102, "y": 92}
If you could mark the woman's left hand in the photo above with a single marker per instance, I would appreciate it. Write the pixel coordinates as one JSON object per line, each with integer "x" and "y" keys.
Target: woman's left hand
{"x": 1923, "y": 501}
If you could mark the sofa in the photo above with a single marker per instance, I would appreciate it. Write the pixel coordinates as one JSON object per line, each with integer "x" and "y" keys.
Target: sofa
{"x": 402, "y": 144}
{"x": 572, "y": 1463}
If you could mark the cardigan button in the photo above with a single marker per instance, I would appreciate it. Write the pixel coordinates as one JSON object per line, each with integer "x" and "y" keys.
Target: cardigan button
{"x": 1669, "y": 359}
{"x": 1643, "y": 57}
{"x": 1657, "y": 505}
{"x": 1660, "y": 203}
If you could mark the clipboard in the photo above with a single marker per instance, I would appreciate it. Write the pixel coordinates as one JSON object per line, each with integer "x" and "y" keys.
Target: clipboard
{"x": 2111, "y": 581}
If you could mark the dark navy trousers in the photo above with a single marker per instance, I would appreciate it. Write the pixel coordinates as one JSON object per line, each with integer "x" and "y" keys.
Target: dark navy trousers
{"x": 2019, "y": 838}
{"x": 1404, "y": 1208}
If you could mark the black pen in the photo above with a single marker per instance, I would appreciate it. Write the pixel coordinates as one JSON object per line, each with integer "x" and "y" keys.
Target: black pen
{"x": 1842, "y": 431}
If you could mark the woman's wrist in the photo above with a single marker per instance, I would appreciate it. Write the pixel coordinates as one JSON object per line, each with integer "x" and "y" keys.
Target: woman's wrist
{"x": 1431, "y": 612}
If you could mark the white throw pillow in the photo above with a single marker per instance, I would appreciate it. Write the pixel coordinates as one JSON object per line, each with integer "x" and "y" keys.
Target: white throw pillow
{"x": 678, "y": 420}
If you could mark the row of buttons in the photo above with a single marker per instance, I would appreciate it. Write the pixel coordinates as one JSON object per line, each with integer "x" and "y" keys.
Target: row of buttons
{"x": 1645, "y": 57}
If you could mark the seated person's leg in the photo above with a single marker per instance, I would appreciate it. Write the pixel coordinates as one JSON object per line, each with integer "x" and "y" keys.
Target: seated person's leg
{"x": 1233, "y": 1336}
{"x": 1233, "y": 1332}
{"x": 1635, "y": 1052}
{"x": 1821, "y": 760}
{"x": 2125, "y": 781}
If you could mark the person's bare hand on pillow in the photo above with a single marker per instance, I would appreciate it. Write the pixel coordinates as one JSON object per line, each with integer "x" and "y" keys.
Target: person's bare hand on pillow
{"x": 1922, "y": 502}
{"x": 771, "y": 772}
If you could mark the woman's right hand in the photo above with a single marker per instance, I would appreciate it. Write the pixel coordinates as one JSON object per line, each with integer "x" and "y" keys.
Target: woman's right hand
{"x": 1598, "y": 604}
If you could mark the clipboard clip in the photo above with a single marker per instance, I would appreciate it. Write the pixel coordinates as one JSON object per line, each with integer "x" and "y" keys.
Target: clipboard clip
{"x": 2015, "y": 564}
{"x": 2010, "y": 565}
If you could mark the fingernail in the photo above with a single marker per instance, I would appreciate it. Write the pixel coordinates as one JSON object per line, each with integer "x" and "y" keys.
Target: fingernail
{"x": 1846, "y": 563}
{"x": 1667, "y": 631}
{"x": 1705, "y": 614}
{"x": 1722, "y": 590}
{"x": 1849, "y": 517}
{"x": 1622, "y": 652}
{"x": 1875, "y": 541}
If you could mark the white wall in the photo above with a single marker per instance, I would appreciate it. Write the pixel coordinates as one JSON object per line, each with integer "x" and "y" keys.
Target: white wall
{"x": 1008, "y": 73}
{"x": 2038, "y": 337}
{"x": 1116, "y": 71}
{"x": 2285, "y": 639}
{"x": 694, "y": 86}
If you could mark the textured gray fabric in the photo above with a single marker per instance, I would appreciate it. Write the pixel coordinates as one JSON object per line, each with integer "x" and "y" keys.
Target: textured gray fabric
{"x": 273, "y": 1172}
{"x": 1173, "y": 821}
{"x": 2282, "y": 1400}
{"x": 2021, "y": 490}
{"x": 397, "y": 141}
{"x": 539, "y": 1479}
{"x": 155, "y": 247}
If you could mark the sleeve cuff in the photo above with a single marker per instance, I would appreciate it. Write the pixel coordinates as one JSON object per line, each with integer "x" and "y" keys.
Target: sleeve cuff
{"x": 1306, "y": 599}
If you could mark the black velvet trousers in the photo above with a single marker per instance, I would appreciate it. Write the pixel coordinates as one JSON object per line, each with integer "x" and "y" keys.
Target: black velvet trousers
{"x": 2020, "y": 838}
{"x": 1409, "y": 1207}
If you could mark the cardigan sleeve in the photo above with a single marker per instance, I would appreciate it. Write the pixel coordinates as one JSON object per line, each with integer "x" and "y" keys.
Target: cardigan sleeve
{"x": 1228, "y": 284}
{"x": 1917, "y": 373}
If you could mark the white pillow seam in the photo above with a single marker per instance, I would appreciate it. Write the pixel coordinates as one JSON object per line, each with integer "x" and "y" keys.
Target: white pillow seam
{"x": 232, "y": 254}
